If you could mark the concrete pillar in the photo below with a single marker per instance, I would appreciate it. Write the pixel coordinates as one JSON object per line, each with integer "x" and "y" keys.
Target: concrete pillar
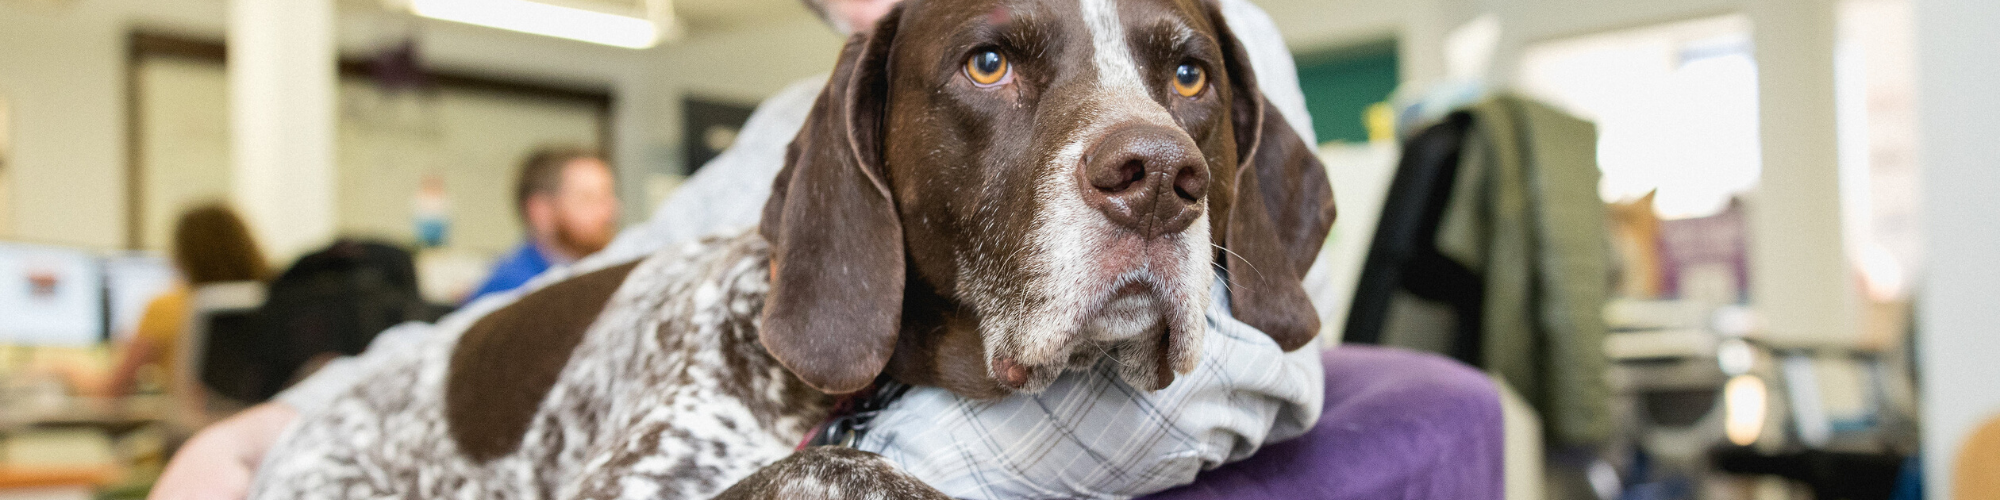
{"x": 281, "y": 97}
{"x": 1799, "y": 276}
{"x": 1959, "y": 294}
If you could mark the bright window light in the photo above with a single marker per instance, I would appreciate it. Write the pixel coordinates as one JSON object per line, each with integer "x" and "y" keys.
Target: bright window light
{"x": 1675, "y": 107}
{"x": 544, "y": 19}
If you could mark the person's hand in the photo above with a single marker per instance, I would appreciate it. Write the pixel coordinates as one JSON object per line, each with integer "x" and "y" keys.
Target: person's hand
{"x": 218, "y": 462}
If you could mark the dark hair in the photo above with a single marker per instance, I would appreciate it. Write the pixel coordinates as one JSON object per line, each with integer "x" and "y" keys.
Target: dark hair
{"x": 211, "y": 245}
{"x": 541, "y": 173}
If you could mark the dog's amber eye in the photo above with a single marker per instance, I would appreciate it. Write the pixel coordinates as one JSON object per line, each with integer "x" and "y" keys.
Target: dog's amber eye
{"x": 986, "y": 68}
{"x": 1189, "y": 80}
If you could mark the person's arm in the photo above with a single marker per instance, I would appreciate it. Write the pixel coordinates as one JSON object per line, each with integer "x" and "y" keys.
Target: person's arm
{"x": 136, "y": 354}
{"x": 221, "y": 460}
{"x": 160, "y": 327}
{"x": 218, "y": 462}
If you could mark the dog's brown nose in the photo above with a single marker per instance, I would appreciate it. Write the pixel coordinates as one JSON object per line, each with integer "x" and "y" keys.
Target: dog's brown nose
{"x": 1149, "y": 179}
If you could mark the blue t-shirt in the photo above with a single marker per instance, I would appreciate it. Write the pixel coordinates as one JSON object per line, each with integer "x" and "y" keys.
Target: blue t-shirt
{"x": 520, "y": 265}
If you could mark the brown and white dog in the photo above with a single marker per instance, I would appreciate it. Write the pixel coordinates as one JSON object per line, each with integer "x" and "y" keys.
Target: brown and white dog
{"x": 987, "y": 193}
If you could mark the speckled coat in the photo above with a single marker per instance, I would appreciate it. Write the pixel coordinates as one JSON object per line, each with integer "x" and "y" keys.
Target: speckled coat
{"x": 678, "y": 401}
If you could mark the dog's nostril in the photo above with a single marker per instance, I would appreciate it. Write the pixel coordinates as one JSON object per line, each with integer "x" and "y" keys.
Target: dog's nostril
{"x": 1130, "y": 173}
{"x": 1190, "y": 183}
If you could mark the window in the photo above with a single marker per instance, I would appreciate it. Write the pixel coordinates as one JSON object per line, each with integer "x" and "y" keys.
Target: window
{"x": 1675, "y": 106}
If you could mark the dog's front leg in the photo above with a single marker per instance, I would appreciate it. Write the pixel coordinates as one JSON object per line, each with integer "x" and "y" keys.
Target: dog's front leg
{"x": 830, "y": 473}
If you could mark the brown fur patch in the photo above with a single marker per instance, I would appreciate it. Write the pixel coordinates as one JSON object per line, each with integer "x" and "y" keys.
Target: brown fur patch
{"x": 506, "y": 362}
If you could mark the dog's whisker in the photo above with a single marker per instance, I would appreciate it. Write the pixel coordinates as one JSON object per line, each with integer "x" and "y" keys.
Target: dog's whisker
{"x": 1104, "y": 351}
{"x": 1246, "y": 261}
{"x": 1227, "y": 279}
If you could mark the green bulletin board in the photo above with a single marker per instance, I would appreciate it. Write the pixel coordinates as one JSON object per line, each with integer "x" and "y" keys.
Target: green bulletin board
{"x": 1340, "y": 84}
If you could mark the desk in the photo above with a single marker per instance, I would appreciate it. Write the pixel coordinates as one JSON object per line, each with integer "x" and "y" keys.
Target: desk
{"x": 112, "y": 415}
{"x": 54, "y": 478}
{"x": 47, "y": 493}
{"x": 62, "y": 448}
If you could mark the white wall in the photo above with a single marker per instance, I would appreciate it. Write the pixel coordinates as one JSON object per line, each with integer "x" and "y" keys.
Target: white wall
{"x": 1317, "y": 24}
{"x": 486, "y": 51}
{"x": 1959, "y": 322}
{"x": 186, "y": 146}
{"x": 743, "y": 66}
{"x": 62, "y": 72}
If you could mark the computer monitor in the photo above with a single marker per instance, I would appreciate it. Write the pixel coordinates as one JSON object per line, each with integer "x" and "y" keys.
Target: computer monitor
{"x": 131, "y": 282}
{"x": 50, "y": 296}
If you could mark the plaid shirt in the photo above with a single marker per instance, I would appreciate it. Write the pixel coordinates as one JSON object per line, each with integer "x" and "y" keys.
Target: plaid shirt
{"x": 1091, "y": 436}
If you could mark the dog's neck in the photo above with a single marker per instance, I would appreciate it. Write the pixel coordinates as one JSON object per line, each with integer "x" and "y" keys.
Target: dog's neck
{"x": 939, "y": 346}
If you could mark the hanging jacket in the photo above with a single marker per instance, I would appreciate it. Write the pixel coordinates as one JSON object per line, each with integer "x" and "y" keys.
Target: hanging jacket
{"x": 1493, "y": 249}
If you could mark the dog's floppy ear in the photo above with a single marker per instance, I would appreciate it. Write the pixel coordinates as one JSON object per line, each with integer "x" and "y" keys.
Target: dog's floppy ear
{"x": 836, "y": 243}
{"x": 1280, "y": 212}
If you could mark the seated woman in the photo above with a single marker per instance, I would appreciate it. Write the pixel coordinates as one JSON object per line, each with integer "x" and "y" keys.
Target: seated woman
{"x": 211, "y": 245}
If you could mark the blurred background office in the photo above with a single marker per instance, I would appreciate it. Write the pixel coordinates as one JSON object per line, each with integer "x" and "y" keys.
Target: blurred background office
{"x": 1752, "y": 254}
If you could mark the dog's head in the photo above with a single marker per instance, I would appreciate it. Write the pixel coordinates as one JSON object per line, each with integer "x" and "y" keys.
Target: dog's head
{"x": 991, "y": 191}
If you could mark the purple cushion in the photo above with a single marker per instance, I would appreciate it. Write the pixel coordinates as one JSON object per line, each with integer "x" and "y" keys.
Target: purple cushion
{"x": 1398, "y": 424}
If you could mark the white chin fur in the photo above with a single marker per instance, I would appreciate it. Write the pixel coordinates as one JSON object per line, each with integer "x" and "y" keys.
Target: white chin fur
{"x": 1127, "y": 317}
{"x": 1076, "y": 321}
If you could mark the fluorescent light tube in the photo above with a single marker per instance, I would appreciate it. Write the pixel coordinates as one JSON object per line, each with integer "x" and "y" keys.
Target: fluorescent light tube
{"x": 545, "y": 19}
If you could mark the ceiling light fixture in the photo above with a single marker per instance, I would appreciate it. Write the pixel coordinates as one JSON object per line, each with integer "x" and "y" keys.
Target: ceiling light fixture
{"x": 547, "y": 19}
